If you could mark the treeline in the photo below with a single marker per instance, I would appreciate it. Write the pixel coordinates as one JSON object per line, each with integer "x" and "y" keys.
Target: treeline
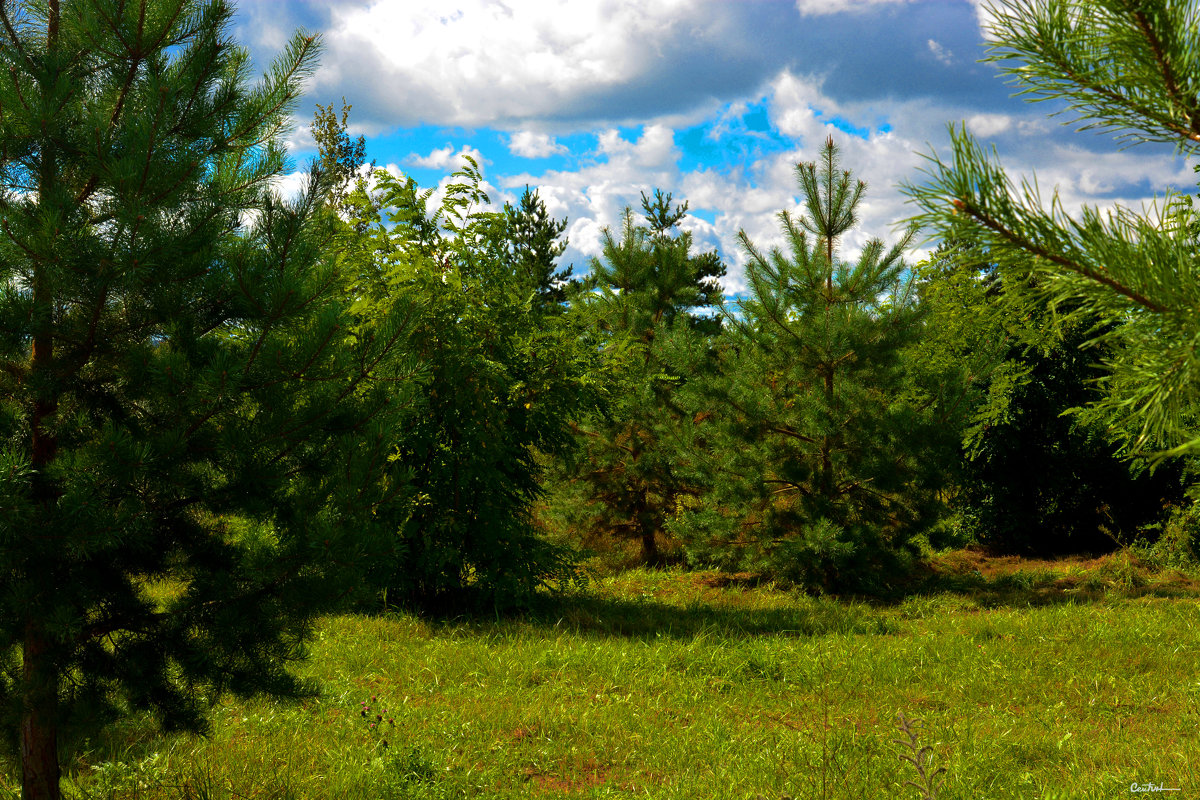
{"x": 224, "y": 412}
{"x": 825, "y": 429}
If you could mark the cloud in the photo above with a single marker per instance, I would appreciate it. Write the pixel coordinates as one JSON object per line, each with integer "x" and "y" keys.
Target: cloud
{"x": 986, "y": 17}
{"x": 444, "y": 158}
{"x": 290, "y": 185}
{"x": 1082, "y": 176}
{"x": 941, "y": 53}
{"x": 439, "y": 159}
{"x": 822, "y": 7}
{"x": 554, "y": 66}
{"x": 463, "y": 62}
{"x": 528, "y": 144}
{"x": 986, "y": 126}
{"x": 655, "y": 148}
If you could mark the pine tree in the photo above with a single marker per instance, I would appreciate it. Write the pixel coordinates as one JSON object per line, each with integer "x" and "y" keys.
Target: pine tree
{"x": 535, "y": 241}
{"x": 179, "y": 389}
{"x": 822, "y": 449}
{"x": 1128, "y": 66}
{"x": 1034, "y": 478}
{"x": 651, "y": 286}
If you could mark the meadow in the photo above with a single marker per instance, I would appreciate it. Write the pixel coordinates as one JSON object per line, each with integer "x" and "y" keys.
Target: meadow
{"x": 1072, "y": 678}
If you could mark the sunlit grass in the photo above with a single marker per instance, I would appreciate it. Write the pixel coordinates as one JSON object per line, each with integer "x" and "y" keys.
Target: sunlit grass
{"x": 1037, "y": 681}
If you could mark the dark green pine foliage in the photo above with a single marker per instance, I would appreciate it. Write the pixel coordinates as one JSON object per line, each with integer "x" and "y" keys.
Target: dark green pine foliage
{"x": 652, "y": 287}
{"x": 535, "y": 242}
{"x": 503, "y": 372}
{"x": 826, "y": 451}
{"x": 1044, "y": 481}
{"x": 176, "y": 379}
{"x": 1035, "y": 478}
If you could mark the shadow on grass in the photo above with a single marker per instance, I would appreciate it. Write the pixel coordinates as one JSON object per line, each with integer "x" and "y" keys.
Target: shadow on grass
{"x": 1010, "y": 583}
{"x": 649, "y": 604}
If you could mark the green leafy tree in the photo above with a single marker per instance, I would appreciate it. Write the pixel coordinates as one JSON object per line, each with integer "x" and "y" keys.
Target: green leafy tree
{"x": 828, "y": 443}
{"x": 502, "y": 375}
{"x": 341, "y": 157}
{"x": 651, "y": 286}
{"x": 179, "y": 388}
{"x": 1128, "y": 67}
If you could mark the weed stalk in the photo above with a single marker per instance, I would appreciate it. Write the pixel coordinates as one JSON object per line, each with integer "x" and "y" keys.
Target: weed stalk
{"x": 920, "y": 757}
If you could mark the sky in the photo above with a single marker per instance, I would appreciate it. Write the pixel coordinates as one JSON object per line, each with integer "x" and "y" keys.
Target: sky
{"x": 593, "y": 102}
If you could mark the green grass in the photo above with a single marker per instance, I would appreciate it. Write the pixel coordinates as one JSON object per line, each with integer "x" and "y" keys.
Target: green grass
{"x": 1071, "y": 680}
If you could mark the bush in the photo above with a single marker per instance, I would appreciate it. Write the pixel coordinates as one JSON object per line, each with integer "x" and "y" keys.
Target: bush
{"x": 1175, "y": 542}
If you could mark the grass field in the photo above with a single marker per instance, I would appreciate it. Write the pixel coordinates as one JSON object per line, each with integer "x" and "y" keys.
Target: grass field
{"x": 1032, "y": 680}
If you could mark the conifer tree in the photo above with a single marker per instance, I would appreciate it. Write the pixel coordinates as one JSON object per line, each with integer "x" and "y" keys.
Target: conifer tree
{"x": 1130, "y": 67}
{"x": 651, "y": 287}
{"x": 822, "y": 449}
{"x": 180, "y": 394}
{"x": 535, "y": 241}
{"x": 1034, "y": 478}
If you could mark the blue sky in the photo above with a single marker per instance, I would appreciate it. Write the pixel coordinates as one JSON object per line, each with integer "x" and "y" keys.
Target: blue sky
{"x": 595, "y": 101}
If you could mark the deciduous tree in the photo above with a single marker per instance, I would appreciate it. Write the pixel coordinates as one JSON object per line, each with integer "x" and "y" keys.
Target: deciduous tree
{"x": 504, "y": 370}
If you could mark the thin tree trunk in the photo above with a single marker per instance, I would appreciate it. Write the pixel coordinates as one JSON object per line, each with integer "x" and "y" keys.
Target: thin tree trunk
{"x": 39, "y": 673}
{"x": 827, "y": 441}
{"x": 650, "y": 555}
{"x": 45, "y": 403}
{"x": 39, "y": 719}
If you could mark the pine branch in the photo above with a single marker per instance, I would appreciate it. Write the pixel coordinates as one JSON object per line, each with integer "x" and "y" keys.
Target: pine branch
{"x": 13, "y": 37}
{"x": 966, "y": 206}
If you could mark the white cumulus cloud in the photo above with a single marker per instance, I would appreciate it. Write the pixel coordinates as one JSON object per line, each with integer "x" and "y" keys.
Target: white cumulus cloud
{"x": 988, "y": 125}
{"x": 444, "y": 158}
{"x": 528, "y": 144}
{"x": 466, "y": 62}
{"x": 654, "y": 148}
{"x": 440, "y": 158}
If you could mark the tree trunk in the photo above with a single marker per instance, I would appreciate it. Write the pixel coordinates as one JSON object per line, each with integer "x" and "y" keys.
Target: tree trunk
{"x": 645, "y": 519}
{"x": 827, "y": 442}
{"x": 39, "y": 719}
{"x": 39, "y": 673}
{"x": 650, "y": 555}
